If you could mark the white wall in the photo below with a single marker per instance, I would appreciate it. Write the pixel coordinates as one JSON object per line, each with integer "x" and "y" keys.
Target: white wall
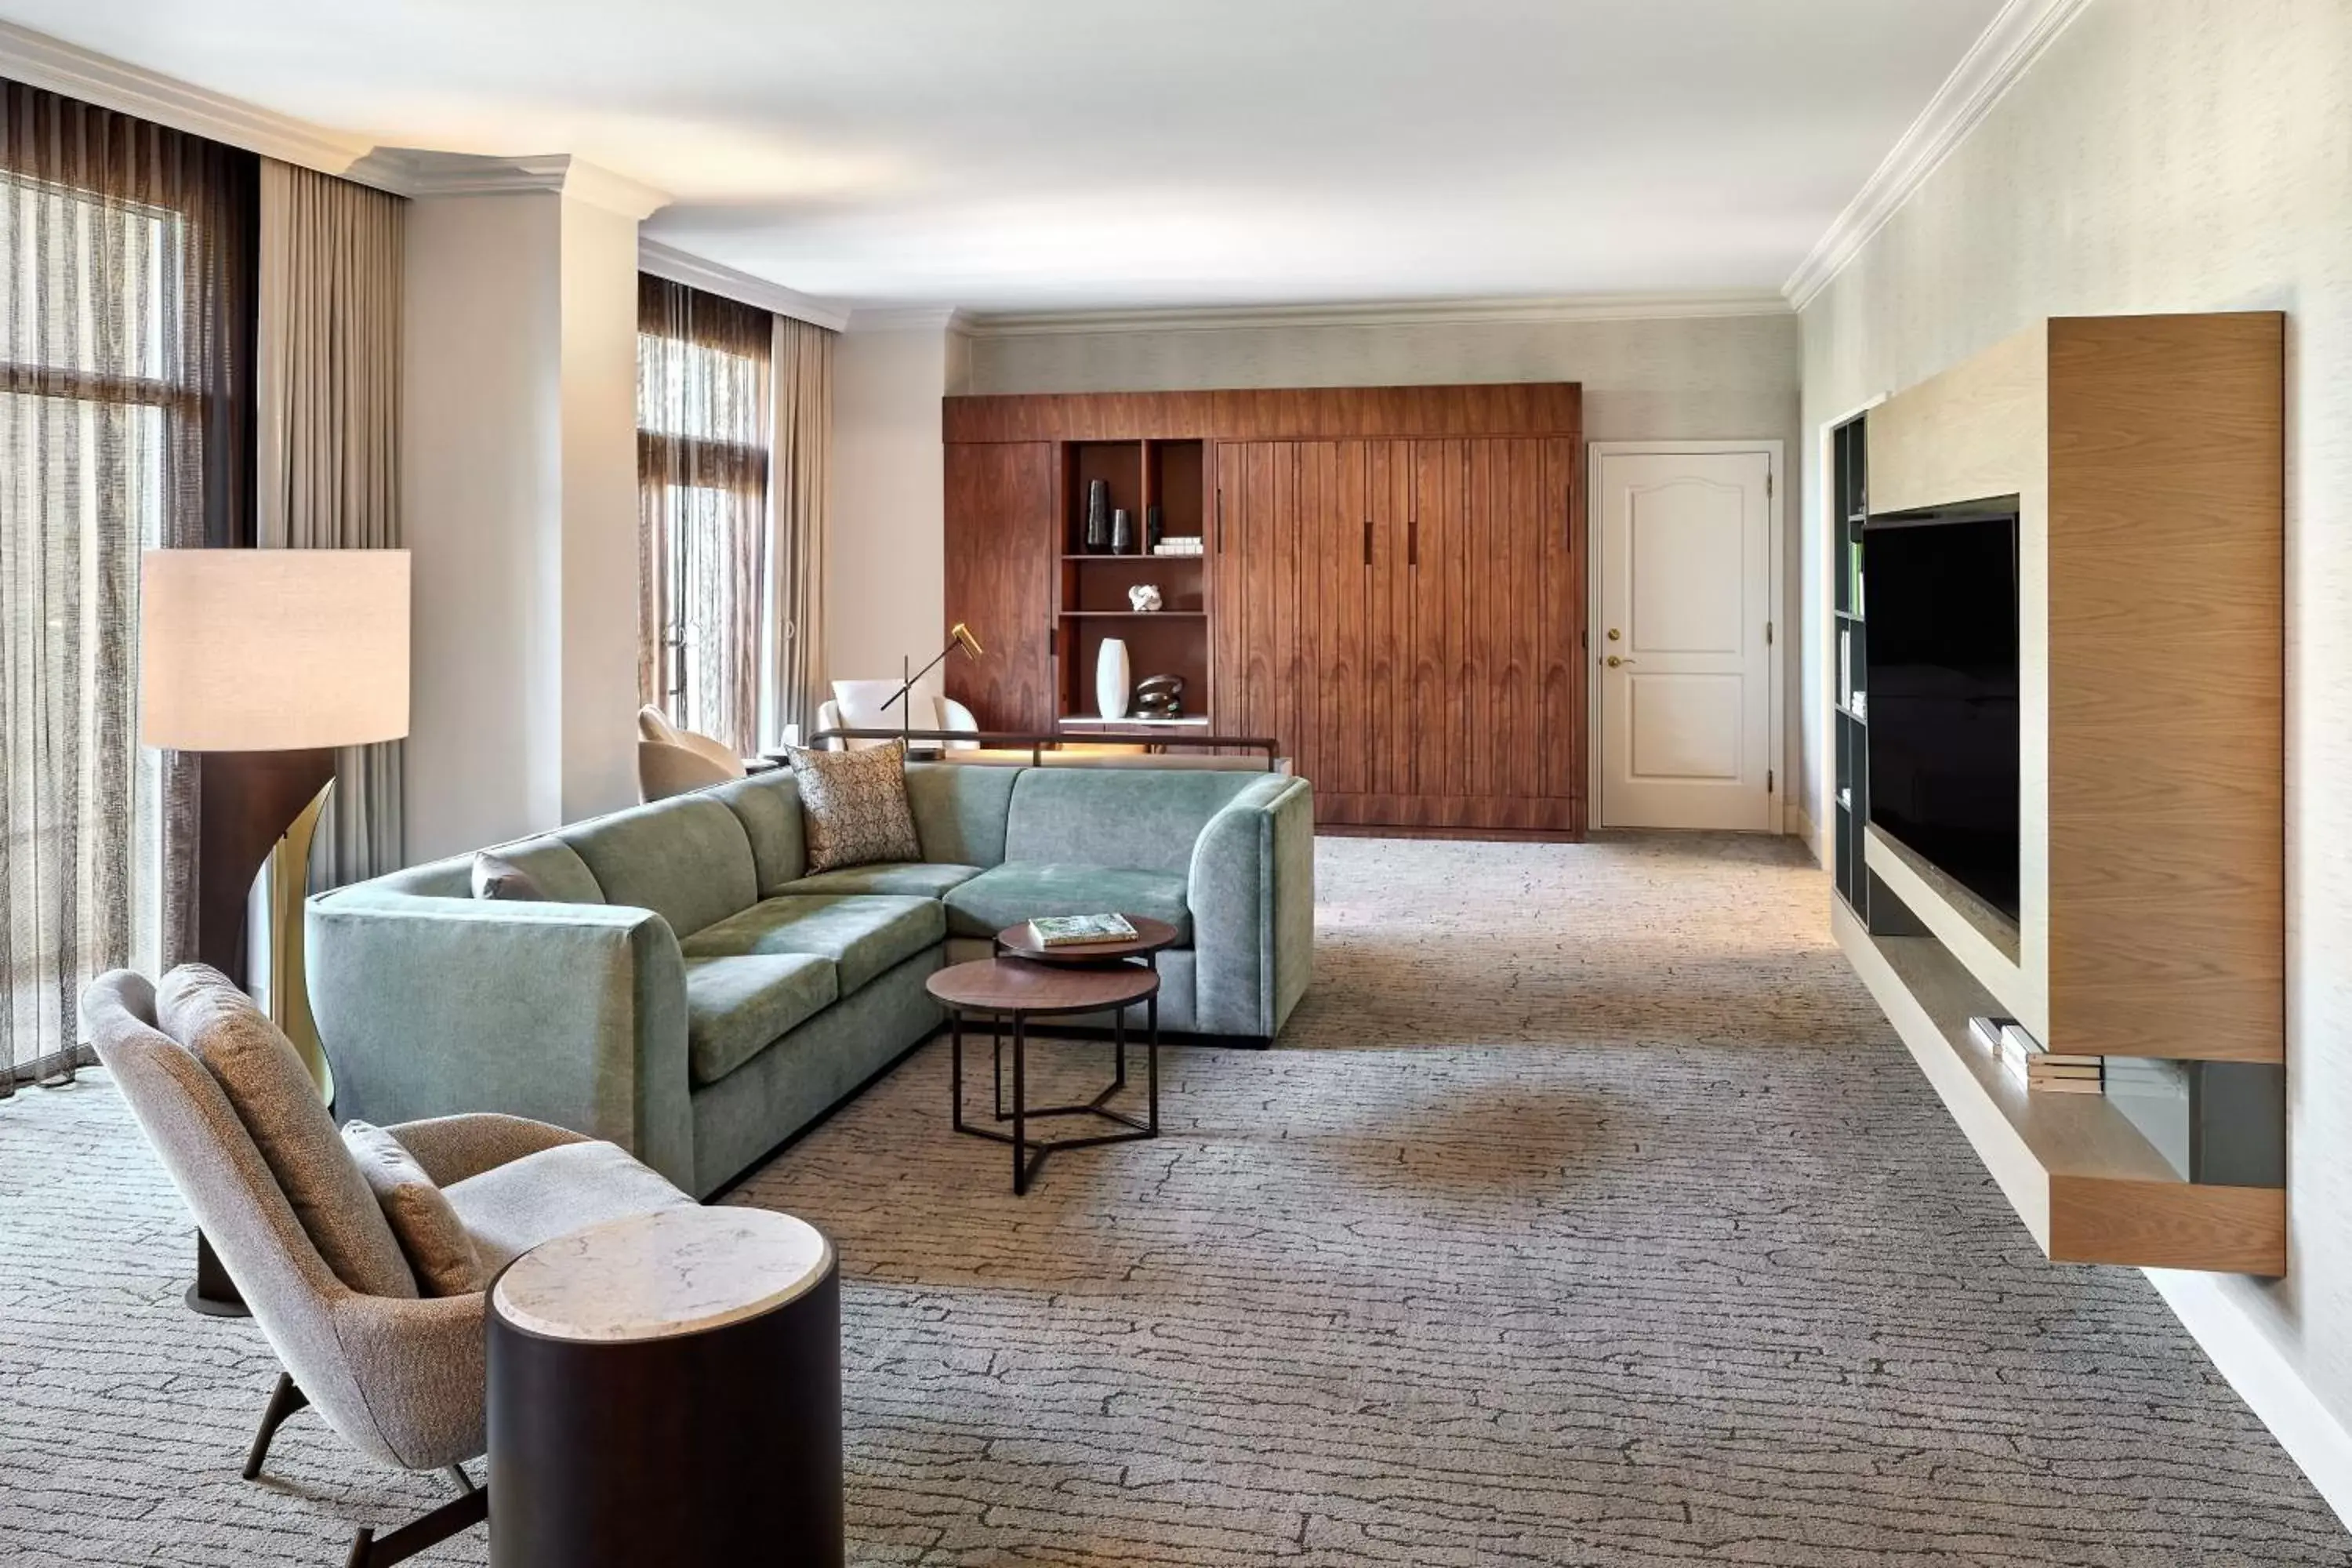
{"x": 885, "y": 595}
{"x": 2181, "y": 155}
{"x": 519, "y": 503}
{"x": 1698, "y": 378}
{"x": 600, "y": 530}
{"x": 480, "y": 444}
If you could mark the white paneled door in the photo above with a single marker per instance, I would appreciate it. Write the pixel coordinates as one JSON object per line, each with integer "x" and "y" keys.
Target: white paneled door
{"x": 1682, "y": 546}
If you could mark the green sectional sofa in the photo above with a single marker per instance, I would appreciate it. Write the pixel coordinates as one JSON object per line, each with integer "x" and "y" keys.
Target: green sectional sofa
{"x": 687, "y": 992}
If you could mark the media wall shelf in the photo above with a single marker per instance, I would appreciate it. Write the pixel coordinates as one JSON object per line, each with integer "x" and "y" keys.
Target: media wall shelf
{"x": 2147, "y": 456}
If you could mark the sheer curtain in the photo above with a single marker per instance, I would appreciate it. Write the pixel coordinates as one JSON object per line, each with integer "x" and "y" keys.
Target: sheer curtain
{"x": 327, "y": 391}
{"x": 126, "y": 259}
{"x": 800, "y": 485}
{"x": 702, "y": 501}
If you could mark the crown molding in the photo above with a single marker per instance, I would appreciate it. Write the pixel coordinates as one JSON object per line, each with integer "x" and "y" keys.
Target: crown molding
{"x": 2003, "y": 52}
{"x": 39, "y": 60}
{"x": 1447, "y": 312}
{"x": 419, "y": 172}
{"x": 668, "y": 261}
{"x": 907, "y": 319}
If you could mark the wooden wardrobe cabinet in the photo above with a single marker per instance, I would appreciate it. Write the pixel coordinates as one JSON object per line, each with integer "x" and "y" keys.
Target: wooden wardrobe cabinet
{"x": 1393, "y": 583}
{"x": 1407, "y": 616}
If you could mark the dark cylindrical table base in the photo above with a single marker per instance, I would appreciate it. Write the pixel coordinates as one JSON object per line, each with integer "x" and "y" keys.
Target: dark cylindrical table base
{"x": 721, "y": 1447}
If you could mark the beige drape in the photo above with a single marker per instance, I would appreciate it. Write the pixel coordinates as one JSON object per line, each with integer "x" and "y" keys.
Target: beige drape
{"x": 702, "y": 500}
{"x": 126, "y": 320}
{"x": 800, "y": 475}
{"x": 328, "y": 397}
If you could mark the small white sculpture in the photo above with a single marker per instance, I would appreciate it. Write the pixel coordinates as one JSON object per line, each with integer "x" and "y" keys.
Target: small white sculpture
{"x": 1143, "y": 596}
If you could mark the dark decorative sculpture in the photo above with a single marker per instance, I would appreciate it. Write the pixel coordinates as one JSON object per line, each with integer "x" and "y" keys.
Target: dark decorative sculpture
{"x": 1160, "y": 696}
{"x": 1155, "y": 527}
{"x": 1123, "y": 531}
{"x": 1097, "y": 517}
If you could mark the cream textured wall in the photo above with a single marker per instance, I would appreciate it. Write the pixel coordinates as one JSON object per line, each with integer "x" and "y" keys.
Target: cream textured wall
{"x": 518, "y": 505}
{"x": 1696, "y": 378}
{"x": 886, "y": 573}
{"x": 600, "y": 527}
{"x": 479, "y": 436}
{"x": 1699, "y": 378}
{"x": 2175, "y": 155}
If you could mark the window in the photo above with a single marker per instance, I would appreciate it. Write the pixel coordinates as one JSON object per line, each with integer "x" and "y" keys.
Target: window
{"x": 702, "y": 473}
{"x": 125, "y": 330}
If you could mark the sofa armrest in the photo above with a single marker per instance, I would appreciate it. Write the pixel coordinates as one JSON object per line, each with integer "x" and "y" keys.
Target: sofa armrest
{"x": 452, "y": 1148}
{"x": 1252, "y": 894}
{"x": 569, "y": 1014}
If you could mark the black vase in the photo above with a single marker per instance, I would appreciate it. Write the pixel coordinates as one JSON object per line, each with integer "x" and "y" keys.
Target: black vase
{"x": 1123, "y": 531}
{"x": 1155, "y": 527}
{"x": 1097, "y": 517}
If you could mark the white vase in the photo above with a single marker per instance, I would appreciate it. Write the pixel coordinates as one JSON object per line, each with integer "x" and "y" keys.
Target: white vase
{"x": 1110, "y": 678}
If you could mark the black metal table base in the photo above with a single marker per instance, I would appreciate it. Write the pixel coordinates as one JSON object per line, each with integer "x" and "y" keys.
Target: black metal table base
{"x": 1029, "y": 1154}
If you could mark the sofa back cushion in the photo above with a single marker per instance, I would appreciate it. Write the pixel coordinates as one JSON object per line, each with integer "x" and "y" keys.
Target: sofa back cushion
{"x": 1146, "y": 820}
{"x": 687, "y": 859}
{"x": 960, "y": 811}
{"x": 769, "y": 806}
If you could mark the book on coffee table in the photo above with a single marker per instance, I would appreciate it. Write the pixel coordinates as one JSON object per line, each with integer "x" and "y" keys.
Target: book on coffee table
{"x": 1077, "y": 931}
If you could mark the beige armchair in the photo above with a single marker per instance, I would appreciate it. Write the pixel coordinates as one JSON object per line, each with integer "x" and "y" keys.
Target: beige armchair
{"x": 399, "y": 1378}
{"x": 671, "y": 761}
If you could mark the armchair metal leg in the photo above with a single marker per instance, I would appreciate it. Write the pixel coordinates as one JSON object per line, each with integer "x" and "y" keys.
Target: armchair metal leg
{"x": 284, "y": 1400}
{"x": 459, "y": 1514}
{"x": 458, "y": 1474}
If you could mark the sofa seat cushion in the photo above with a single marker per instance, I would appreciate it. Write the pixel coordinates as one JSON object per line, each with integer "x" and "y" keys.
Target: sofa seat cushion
{"x": 916, "y": 879}
{"x": 1024, "y": 890}
{"x": 508, "y": 1209}
{"x": 863, "y": 934}
{"x": 736, "y": 1007}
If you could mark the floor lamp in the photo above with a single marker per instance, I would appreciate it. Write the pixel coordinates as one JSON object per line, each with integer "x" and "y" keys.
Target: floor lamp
{"x": 262, "y": 662}
{"x": 959, "y": 637}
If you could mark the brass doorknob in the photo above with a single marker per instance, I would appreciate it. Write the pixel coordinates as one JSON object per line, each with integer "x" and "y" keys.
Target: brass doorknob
{"x": 1614, "y": 662}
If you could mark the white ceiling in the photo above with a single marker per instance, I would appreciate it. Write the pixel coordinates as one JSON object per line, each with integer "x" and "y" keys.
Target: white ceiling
{"x": 1044, "y": 154}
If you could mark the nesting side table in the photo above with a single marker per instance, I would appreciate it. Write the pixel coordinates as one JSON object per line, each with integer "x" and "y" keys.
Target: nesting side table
{"x": 1048, "y": 984}
{"x": 667, "y": 1388}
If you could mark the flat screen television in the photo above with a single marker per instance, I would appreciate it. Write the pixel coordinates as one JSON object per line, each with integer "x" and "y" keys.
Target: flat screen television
{"x": 1939, "y": 611}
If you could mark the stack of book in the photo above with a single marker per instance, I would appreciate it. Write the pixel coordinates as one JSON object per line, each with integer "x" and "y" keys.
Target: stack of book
{"x": 2042, "y": 1071}
{"x": 1080, "y": 930}
{"x": 1178, "y": 544}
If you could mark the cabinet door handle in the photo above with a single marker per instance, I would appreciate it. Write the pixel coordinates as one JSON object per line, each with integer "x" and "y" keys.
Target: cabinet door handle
{"x": 1368, "y": 541}
{"x": 1221, "y": 520}
{"x": 1413, "y": 542}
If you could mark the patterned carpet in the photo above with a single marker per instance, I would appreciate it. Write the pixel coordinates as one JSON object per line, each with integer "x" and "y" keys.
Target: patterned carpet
{"x": 1593, "y": 1221}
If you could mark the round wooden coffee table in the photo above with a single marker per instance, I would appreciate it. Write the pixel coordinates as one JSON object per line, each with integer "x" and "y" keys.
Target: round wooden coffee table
{"x": 1020, "y": 989}
{"x": 667, "y": 1388}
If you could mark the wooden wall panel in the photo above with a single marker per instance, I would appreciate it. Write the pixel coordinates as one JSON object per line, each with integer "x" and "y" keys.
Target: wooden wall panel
{"x": 1392, "y": 579}
{"x": 1562, "y": 647}
{"x": 999, "y": 563}
{"x": 1440, "y": 470}
{"x": 1523, "y": 408}
{"x": 2166, "y": 569}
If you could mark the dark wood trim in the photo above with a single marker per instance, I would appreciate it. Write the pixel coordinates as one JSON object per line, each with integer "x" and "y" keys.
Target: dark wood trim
{"x": 1269, "y": 413}
{"x": 247, "y": 801}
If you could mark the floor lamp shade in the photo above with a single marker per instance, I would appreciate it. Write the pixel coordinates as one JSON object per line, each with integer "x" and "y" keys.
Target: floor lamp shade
{"x": 272, "y": 650}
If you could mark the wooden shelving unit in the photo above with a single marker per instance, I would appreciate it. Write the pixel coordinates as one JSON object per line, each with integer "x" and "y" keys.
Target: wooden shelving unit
{"x": 2146, "y": 458}
{"x": 1092, "y": 601}
{"x": 1850, "y": 810}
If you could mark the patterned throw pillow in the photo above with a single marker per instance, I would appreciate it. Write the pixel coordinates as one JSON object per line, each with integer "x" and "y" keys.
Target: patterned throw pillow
{"x": 496, "y": 877}
{"x": 855, "y": 806}
{"x": 427, "y": 1228}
